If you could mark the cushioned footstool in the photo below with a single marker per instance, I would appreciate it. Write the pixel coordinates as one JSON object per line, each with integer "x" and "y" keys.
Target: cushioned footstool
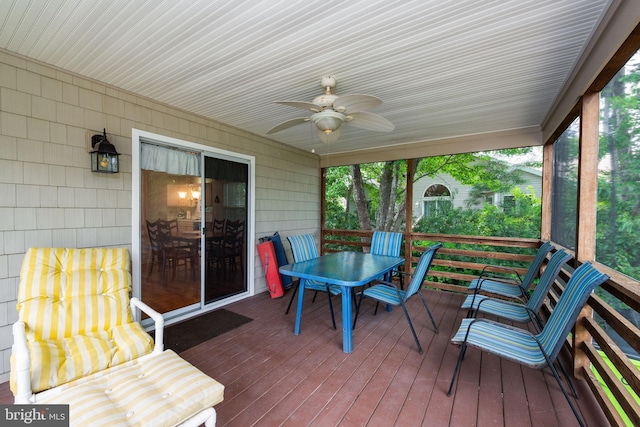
{"x": 156, "y": 390}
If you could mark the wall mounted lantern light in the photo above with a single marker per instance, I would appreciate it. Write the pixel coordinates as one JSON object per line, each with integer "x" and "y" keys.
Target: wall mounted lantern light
{"x": 104, "y": 157}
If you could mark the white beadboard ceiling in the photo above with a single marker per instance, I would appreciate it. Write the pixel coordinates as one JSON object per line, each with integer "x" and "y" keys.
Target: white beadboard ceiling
{"x": 442, "y": 68}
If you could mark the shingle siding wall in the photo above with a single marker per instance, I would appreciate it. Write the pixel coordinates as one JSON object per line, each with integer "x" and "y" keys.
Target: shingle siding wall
{"x": 49, "y": 196}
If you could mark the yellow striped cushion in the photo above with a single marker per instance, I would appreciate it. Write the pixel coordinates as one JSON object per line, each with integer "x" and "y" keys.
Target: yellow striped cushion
{"x": 65, "y": 360}
{"x": 131, "y": 342}
{"x": 75, "y": 304}
{"x": 167, "y": 390}
{"x": 65, "y": 292}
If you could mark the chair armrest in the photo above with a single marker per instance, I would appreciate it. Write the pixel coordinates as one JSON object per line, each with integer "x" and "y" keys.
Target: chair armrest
{"x": 492, "y": 272}
{"x": 514, "y": 284}
{"x": 383, "y": 282}
{"x": 22, "y": 364}
{"x": 158, "y": 320}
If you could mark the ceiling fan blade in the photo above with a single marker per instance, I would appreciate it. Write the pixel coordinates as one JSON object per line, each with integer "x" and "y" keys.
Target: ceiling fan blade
{"x": 287, "y": 124}
{"x": 301, "y": 104}
{"x": 355, "y": 103}
{"x": 370, "y": 121}
{"x": 329, "y": 138}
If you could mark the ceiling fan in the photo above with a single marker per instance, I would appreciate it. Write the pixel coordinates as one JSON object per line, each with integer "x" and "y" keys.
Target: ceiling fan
{"x": 330, "y": 111}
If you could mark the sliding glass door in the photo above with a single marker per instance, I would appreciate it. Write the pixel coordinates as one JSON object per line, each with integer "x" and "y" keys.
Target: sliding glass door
{"x": 194, "y": 219}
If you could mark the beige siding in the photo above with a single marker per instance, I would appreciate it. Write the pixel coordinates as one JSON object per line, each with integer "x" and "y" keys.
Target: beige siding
{"x": 49, "y": 197}
{"x": 460, "y": 192}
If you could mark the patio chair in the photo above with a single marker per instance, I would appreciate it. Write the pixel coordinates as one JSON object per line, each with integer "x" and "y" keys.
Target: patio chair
{"x": 387, "y": 243}
{"x": 536, "y": 351}
{"x": 513, "y": 287}
{"x": 75, "y": 343}
{"x": 304, "y": 248}
{"x": 516, "y": 311}
{"x": 389, "y": 293}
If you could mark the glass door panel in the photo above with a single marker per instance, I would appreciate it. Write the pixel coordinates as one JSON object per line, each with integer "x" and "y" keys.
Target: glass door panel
{"x": 225, "y": 214}
{"x": 170, "y": 237}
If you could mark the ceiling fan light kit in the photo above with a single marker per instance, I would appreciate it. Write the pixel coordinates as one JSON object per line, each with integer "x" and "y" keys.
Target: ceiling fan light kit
{"x": 331, "y": 111}
{"x": 327, "y": 120}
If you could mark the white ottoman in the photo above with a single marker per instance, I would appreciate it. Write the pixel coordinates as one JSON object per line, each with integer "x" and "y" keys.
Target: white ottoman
{"x": 155, "y": 390}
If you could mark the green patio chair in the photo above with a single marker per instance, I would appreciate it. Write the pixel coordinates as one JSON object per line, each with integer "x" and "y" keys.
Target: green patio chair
{"x": 389, "y": 293}
{"x": 536, "y": 351}
{"x": 514, "y": 287}
{"x": 304, "y": 248}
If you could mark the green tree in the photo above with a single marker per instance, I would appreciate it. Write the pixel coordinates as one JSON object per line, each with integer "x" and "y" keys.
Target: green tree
{"x": 618, "y": 226}
{"x": 523, "y": 221}
{"x": 376, "y": 192}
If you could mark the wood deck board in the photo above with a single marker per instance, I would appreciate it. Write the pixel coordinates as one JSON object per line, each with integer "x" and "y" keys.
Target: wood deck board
{"x": 273, "y": 377}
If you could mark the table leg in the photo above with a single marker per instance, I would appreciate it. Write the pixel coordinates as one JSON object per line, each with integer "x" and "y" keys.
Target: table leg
{"x": 296, "y": 329}
{"x": 347, "y": 327}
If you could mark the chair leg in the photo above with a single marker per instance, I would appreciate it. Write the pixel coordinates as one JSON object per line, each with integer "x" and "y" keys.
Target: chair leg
{"x": 473, "y": 300}
{"x": 153, "y": 257}
{"x": 564, "y": 391}
{"x": 357, "y": 309}
{"x": 424, "y": 302}
{"x": 569, "y": 381}
{"x": 333, "y": 319}
{"x": 293, "y": 295}
{"x": 413, "y": 331}
{"x": 463, "y": 348}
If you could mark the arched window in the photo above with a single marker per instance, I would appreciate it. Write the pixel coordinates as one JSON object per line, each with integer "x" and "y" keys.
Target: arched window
{"x": 436, "y": 200}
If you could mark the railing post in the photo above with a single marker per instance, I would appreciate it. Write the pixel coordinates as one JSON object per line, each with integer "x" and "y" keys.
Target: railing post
{"x": 323, "y": 207}
{"x": 547, "y": 191}
{"x": 586, "y": 213}
{"x": 408, "y": 239}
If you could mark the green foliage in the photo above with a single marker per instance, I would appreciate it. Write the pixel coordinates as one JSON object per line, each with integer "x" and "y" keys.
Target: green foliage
{"x": 523, "y": 221}
{"x": 618, "y": 219}
{"x": 384, "y": 184}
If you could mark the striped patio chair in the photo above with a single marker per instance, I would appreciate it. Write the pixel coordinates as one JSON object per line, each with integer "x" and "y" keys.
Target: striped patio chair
{"x": 76, "y": 343}
{"x": 387, "y": 243}
{"x": 514, "y": 288}
{"x": 389, "y": 293}
{"x": 516, "y": 311}
{"x": 536, "y": 351}
{"x": 74, "y": 307}
{"x": 304, "y": 248}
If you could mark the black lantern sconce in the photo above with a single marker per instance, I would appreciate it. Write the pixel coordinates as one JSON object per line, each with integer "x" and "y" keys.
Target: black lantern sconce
{"x": 104, "y": 157}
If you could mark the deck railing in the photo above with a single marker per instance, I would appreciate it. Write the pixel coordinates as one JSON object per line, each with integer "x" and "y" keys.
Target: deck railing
{"x": 594, "y": 348}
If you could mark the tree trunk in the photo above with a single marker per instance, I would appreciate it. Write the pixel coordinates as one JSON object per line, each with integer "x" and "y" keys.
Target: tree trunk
{"x": 360, "y": 198}
{"x": 387, "y": 202}
{"x": 610, "y": 124}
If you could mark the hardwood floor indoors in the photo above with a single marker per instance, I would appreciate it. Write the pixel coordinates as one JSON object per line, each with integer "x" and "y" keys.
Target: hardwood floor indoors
{"x": 274, "y": 378}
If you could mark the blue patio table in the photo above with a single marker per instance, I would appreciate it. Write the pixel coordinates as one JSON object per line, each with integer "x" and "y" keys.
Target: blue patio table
{"x": 345, "y": 269}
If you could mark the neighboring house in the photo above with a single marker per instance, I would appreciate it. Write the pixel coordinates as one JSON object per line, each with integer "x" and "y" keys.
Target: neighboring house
{"x": 443, "y": 191}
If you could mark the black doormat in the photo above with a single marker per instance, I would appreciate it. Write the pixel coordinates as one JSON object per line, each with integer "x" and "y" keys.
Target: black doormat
{"x": 189, "y": 333}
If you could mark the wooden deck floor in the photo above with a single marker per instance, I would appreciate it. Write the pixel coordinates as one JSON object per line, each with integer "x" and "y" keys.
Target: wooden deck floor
{"x": 274, "y": 378}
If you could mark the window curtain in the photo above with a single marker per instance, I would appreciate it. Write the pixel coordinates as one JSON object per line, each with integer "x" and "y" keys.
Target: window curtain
{"x": 169, "y": 160}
